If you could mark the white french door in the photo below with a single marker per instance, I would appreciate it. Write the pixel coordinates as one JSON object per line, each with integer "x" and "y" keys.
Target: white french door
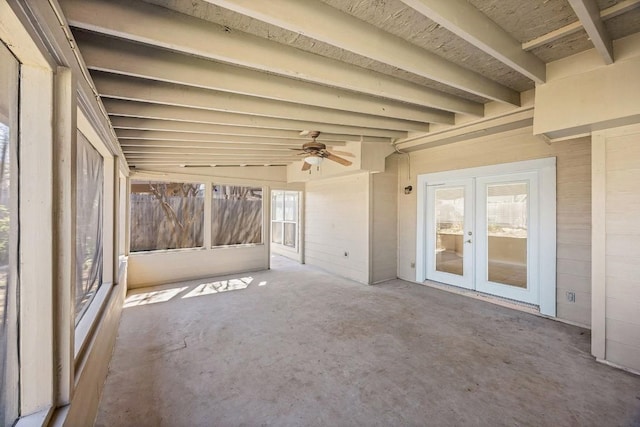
{"x": 507, "y": 224}
{"x": 450, "y": 232}
{"x": 484, "y": 232}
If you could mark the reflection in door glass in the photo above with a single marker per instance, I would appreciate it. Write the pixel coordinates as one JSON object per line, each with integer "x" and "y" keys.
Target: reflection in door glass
{"x": 507, "y": 219}
{"x": 449, "y": 205}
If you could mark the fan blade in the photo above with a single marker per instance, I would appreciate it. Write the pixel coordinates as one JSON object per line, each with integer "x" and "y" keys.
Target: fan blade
{"x": 337, "y": 159}
{"x": 296, "y": 149}
{"x": 343, "y": 153}
{"x": 305, "y": 166}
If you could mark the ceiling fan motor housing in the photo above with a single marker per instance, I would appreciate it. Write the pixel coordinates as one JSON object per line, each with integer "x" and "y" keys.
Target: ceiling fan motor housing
{"x": 313, "y": 146}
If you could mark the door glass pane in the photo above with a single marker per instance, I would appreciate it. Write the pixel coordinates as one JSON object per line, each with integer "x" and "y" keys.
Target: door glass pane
{"x": 507, "y": 227}
{"x": 449, "y": 205}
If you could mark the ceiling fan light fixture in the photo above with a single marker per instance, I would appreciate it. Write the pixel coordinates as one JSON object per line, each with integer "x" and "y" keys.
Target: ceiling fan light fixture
{"x": 313, "y": 160}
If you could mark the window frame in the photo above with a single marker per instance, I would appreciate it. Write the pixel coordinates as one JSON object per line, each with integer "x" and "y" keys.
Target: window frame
{"x": 284, "y": 221}
{"x": 177, "y": 179}
{"x": 85, "y": 326}
{"x": 262, "y": 217}
{"x": 53, "y": 81}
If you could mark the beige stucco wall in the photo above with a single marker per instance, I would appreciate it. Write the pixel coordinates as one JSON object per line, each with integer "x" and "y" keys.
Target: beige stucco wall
{"x": 573, "y": 204}
{"x": 384, "y": 223}
{"x": 154, "y": 268}
{"x": 337, "y": 221}
{"x": 616, "y": 272}
{"x": 582, "y": 94}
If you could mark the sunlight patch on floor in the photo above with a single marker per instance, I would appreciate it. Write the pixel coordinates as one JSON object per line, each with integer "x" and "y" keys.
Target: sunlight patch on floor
{"x": 219, "y": 286}
{"x": 152, "y": 297}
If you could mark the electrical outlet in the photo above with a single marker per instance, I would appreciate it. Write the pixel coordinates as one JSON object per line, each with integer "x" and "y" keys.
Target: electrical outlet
{"x": 571, "y": 296}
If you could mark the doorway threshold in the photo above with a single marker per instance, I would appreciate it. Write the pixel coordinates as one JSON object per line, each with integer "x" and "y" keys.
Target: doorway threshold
{"x": 493, "y": 299}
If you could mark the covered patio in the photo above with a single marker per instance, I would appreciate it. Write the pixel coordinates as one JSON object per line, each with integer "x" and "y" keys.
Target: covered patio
{"x": 298, "y": 346}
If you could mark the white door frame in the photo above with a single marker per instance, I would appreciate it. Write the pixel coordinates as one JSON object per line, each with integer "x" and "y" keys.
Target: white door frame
{"x": 546, "y": 172}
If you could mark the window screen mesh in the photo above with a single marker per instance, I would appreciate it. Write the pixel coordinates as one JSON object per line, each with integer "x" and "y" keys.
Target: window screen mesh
{"x": 236, "y": 213}
{"x": 89, "y": 207}
{"x": 166, "y": 215}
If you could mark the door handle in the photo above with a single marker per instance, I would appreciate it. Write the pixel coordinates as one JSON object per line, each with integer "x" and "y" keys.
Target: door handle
{"x": 468, "y": 241}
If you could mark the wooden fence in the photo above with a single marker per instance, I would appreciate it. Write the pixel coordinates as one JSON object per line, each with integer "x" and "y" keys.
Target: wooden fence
{"x": 153, "y": 228}
{"x": 236, "y": 222}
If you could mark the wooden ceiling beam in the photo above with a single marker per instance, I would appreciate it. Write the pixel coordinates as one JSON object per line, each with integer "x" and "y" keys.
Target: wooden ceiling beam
{"x": 130, "y": 59}
{"x": 465, "y": 21}
{"x": 589, "y": 15}
{"x": 220, "y": 163}
{"x": 322, "y": 22}
{"x": 605, "y": 14}
{"x": 131, "y": 123}
{"x": 210, "y": 158}
{"x": 135, "y": 89}
{"x": 123, "y": 109}
{"x": 182, "y": 33}
{"x": 125, "y": 135}
{"x": 213, "y": 148}
{"x": 143, "y": 143}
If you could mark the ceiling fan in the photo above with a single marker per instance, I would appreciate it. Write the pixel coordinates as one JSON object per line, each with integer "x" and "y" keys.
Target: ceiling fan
{"x": 315, "y": 151}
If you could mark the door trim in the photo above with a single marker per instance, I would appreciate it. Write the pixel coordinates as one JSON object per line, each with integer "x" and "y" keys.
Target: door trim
{"x": 546, "y": 170}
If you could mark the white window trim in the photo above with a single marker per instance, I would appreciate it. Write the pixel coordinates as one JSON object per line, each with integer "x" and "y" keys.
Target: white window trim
{"x": 296, "y": 247}
{"x": 86, "y": 325}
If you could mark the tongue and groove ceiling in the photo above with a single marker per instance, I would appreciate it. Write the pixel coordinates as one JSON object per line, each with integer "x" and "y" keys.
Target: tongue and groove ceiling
{"x": 234, "y": 82}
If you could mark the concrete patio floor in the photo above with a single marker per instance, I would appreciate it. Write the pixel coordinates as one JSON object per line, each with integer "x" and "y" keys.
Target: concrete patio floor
{"x": 297, "y": 346}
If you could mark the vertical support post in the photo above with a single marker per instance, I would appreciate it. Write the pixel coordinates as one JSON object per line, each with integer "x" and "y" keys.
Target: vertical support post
{"x": 109, "y": 269}
{"x": 208, "y": 191}
{"x": 127, "y": 223}
{"x": 36, "y": 237}
{"x": 266, "y": 223}
{"x": 598, "y": 244}
{"x": 64, "y": 245}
